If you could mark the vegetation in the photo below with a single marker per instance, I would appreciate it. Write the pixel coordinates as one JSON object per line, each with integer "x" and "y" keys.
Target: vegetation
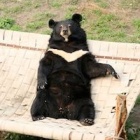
{"x": 14, "y": 136}
{"x": 8, "y": 23}
{"x": 132, "y": 125}
{"x": 103, "y": 20}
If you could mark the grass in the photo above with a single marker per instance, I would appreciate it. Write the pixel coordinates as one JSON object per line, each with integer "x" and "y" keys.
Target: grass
{"x": 34, "y": 25}
{"x": 136, "y": 23}
{"x": 17, "y": 8}
{"x": 99, "y": 22}
{"x": 69, "y": 12}
{"x": 133, "y": 131}
{"x": 102, "y": 20}
{"x": 8, "y": 23}
{"x": 56, "y": 3}
{"x": 102, "y": 3}
{"x": 103, "y": 28}
{"x": 132, "y": 4}
{"x": 39, "y": 22}
{"x": 138, "y": 101}
{"x": 14, "y": 136}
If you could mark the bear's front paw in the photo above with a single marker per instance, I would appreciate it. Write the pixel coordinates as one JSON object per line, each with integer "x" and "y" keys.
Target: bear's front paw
{"x": 38, "y": 118}
{"x": 111, "y": 71}
{"x": 42, "y": 84}
{"x": 87, "y": 121}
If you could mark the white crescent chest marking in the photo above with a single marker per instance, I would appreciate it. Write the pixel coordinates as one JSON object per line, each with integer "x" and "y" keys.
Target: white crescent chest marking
{"x": 69, "y": 57}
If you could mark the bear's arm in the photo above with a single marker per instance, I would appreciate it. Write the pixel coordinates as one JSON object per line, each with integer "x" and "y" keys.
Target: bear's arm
{"x": 94, "y": 69}
{"x": 45, "y": 66}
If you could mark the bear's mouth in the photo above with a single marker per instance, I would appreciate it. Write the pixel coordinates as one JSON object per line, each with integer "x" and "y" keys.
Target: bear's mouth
{"x": 65, "y": 32}
{"x": 65, "y": 37}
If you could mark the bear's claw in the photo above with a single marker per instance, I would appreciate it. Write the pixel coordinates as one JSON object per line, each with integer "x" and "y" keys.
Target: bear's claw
{"x": 87, "y": 121}
{"x": 42, "y": 85}
{"x": 115, "y": 75}
{"x": 38, "y": 118}
{"x": 111, "y": 71}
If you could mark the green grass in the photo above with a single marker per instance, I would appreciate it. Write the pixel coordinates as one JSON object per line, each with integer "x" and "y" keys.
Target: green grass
{"x": 131, "y": 4}
{"x": 39, "y": 22}
{"x": 70, "y": 11}
{"x": 107, "y": 27}
{"x": 6, "y": 23}
{"x": 14, "y": 136}
{"x": 136, "y": 24}
{"x": 102, "y": 3}
{"x": 138, "y": 101}
{"x": 74, "y": 2}
{"x": 35, "y": 25}
{"x": 56, "y": 3}
{"x": 97, "y": 24}
{"x": 17, "y": 8}
{"x": 44, "y": 16}
{"x": 132, "y": 132}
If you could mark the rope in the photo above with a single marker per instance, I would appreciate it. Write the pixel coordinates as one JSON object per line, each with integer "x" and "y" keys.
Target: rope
{"x": 97, "y": 56}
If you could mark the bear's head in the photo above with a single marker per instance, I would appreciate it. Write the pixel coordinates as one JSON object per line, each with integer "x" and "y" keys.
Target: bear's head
{"x": 67, "y": 29}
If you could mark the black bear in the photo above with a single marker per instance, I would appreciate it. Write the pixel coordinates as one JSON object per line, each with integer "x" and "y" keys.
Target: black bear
{"x": 64, "y": 74}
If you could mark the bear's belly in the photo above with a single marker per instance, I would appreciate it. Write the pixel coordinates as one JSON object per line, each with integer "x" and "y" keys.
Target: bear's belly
{"x": 65, "y": 87}
{"x": 66, "y": 84}
{"x": 65, "y": 77}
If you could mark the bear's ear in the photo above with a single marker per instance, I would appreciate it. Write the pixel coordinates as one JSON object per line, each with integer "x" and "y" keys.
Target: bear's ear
{"x": 52, "y": 23}
{"x": 77, "y": 18}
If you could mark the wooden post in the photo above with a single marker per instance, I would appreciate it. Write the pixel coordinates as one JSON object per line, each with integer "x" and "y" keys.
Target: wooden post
{"x": 121, "y": 116}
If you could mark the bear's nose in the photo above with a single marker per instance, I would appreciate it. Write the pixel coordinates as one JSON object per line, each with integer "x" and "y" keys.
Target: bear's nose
{"x": 65, "y": 31}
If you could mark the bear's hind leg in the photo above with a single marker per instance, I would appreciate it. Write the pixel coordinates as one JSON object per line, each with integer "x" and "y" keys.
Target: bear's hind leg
{"x": 38, "y": 108}
{"x": 87, "y": 115}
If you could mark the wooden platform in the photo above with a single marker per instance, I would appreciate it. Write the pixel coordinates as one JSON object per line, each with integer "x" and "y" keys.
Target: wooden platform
{"x": 20, "y": 53}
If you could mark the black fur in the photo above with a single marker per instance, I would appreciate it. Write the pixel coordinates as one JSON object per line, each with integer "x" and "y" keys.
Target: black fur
{"x": 63, "y": 88}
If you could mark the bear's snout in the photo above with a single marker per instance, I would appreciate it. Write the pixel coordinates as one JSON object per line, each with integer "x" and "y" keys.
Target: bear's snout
{"x": 65, "y": 32}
